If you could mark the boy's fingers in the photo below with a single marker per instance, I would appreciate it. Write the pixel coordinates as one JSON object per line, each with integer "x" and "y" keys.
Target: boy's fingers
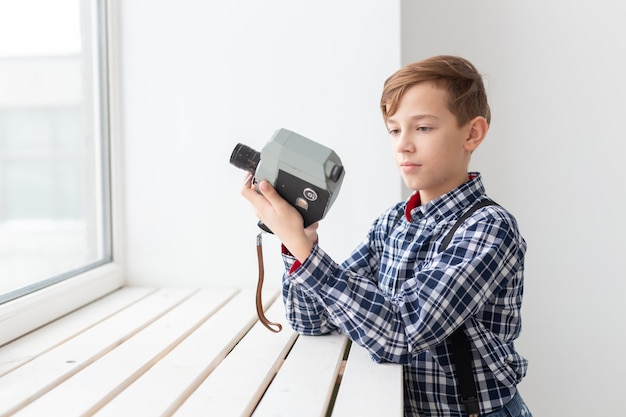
{"x": 267, "y": 199}
{"x": 248, "y": 190}
{"x": 313, "y": 227}
{"x": 269, "y": 192}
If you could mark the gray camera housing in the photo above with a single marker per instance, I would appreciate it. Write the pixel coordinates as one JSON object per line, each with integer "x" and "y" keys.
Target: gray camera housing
{"x": 305, "y": 173}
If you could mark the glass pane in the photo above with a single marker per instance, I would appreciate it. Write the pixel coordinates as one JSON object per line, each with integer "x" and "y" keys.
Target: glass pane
{"x": 53, "y": 160}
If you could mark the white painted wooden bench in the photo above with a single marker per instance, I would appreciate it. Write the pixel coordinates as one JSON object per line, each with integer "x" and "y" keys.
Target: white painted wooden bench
{"x": 183, "y": 352}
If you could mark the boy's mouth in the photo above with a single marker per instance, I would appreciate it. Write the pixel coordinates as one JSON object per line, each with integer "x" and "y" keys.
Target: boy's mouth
{"x": 409, "y": 166}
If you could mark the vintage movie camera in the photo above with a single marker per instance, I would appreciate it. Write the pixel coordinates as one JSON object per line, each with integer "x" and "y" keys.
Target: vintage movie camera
{"x": 306, "y": 174}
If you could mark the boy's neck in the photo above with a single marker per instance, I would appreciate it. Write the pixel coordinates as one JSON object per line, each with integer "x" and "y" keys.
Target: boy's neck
{"x": 427, "y": 196}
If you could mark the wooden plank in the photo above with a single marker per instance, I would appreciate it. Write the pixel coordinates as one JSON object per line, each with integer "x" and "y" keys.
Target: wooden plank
{"x": 235, "y": 386}
{"x": 304, "y": 385}
{"x": 368, "y": 388}
{"x": 24, "y": 349}
{"x": 96, "y": 384}
{"x": 169, "y": 382}
{"x": 33, "y": 379}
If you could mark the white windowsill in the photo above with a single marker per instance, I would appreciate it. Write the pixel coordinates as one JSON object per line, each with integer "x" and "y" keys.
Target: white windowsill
{"x": 31, "y": 311}
{"x": 164, "y": 351}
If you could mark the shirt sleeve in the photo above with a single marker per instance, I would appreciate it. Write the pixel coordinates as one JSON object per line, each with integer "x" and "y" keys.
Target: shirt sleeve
{"x": 306, "y": 312}
{"x": 439, "y": 297}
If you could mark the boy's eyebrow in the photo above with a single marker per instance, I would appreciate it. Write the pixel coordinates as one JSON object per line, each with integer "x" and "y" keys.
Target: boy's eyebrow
{"x": 415, "y": 117}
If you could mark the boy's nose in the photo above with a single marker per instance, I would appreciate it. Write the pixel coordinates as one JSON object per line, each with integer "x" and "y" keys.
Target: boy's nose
{"x": 404, "y": 143}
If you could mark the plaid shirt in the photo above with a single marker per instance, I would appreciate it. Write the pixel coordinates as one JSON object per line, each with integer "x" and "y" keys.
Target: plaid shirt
{"x": 400, "y": 298}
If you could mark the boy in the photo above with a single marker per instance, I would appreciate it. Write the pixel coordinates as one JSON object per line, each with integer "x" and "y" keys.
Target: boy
{"x": 400, "y": 294}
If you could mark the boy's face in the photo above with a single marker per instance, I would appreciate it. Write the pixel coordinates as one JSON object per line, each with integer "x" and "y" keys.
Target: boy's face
{"x": 431, "y": 150}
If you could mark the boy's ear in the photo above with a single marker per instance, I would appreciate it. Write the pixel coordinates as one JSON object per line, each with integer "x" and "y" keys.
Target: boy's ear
{"x": 478, "y": 128}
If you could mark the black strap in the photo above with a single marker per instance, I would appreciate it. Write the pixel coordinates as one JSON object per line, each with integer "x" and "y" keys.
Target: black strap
{"x": 465, "y": 216}
{"x": 462, "y": 358}
{"x": 461, "y": 349}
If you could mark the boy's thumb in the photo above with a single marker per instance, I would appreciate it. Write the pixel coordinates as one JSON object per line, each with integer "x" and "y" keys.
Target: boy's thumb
{"x": 265, "y": 187}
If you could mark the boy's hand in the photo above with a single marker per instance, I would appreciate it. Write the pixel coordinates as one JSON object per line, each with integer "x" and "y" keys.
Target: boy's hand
{"x": 311, "y": 232}
{"x": 281, "y": 218}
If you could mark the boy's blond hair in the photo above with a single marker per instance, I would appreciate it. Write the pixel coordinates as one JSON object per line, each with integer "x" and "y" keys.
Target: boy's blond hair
{"x": 466, "y": 92}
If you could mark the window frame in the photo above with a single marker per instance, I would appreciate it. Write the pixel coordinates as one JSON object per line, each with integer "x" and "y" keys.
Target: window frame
{"x": 26, "y": 313}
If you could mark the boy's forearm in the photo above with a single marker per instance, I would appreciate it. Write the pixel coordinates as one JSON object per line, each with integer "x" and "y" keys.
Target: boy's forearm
{"x": 299, "y": 245}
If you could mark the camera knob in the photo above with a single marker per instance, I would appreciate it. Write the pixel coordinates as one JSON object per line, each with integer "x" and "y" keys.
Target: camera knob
{"x": 336, "y": 172}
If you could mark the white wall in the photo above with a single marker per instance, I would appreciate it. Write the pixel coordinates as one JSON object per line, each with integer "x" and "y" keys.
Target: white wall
{"x": 198, "y": 77}
{"x": 555, "y": 157}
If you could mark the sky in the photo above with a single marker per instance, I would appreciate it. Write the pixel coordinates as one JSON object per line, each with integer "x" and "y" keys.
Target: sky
{"x": 39, "y": 27}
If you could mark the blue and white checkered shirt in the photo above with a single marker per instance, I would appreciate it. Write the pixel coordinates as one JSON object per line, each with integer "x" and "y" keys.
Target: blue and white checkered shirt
{"x": 400, "y": 298}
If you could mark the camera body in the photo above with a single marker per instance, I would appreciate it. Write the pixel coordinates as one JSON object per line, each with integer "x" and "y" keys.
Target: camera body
{"x": 305, "y": 173}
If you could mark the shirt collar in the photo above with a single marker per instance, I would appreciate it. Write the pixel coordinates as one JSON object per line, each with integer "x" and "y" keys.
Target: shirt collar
{"x": 448, "y": 204}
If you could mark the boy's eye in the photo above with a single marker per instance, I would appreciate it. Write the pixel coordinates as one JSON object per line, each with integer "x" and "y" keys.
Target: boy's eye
{"x": 394, "y": 131}
{"x": 424, "y": 128}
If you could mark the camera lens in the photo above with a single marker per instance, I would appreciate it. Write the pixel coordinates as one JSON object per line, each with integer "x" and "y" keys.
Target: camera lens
{"x": 246, "y": 158}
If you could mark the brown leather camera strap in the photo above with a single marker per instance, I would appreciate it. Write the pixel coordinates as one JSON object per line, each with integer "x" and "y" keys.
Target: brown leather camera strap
{"x": 275, "y": 327}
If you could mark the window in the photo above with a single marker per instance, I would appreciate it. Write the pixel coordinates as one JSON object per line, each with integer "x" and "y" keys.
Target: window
{"x": 54, "y": 149}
